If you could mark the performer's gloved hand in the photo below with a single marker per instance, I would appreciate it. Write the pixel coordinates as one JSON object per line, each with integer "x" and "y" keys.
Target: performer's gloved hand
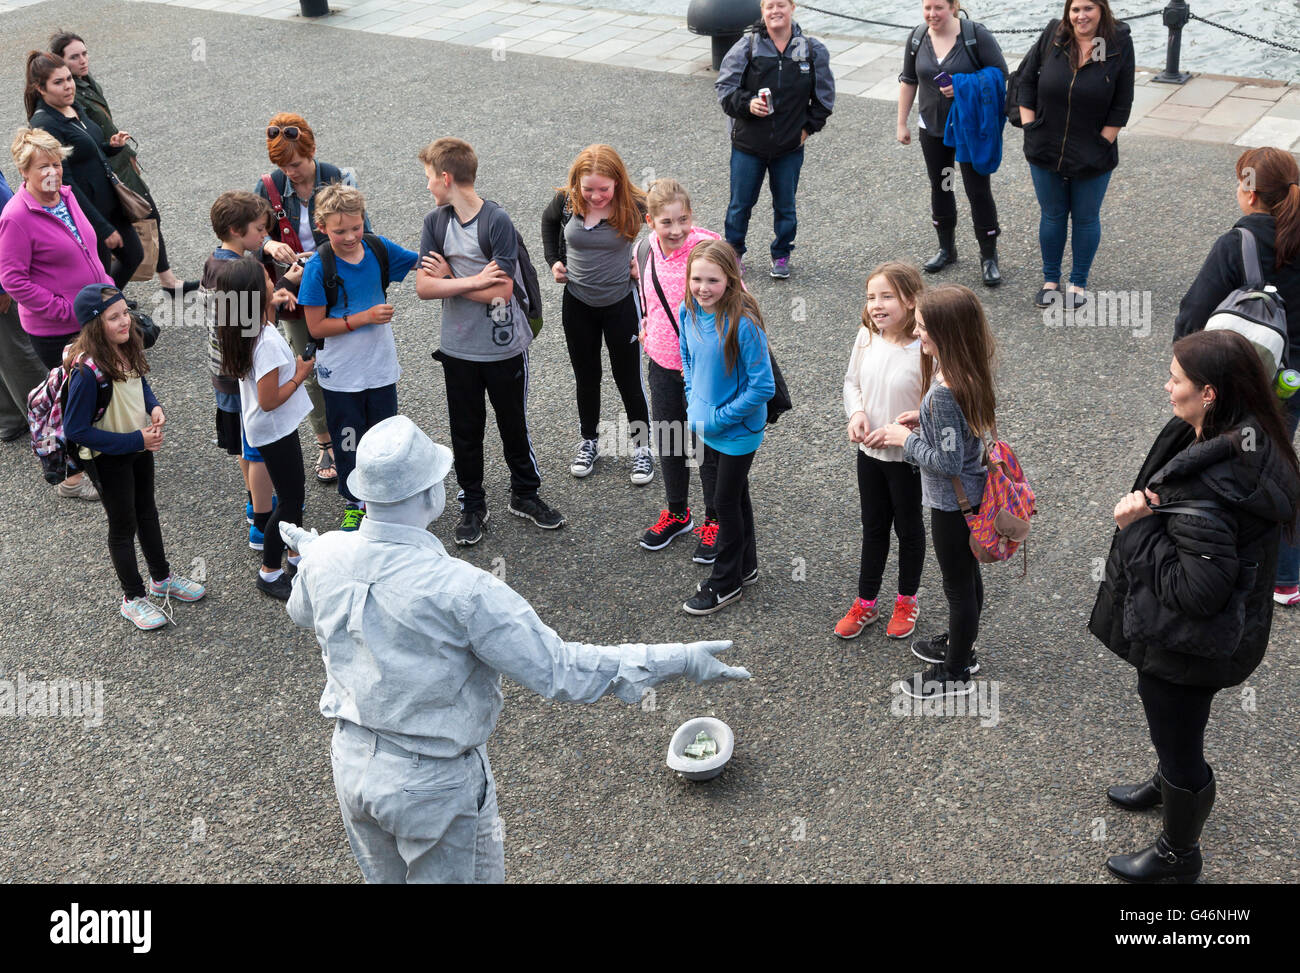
{"x": 701, "y": 666}
{"x": 297, "y": 538}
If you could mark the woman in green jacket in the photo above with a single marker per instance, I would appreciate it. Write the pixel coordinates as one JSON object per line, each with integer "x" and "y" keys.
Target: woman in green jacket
{"x": 90, "y": 95}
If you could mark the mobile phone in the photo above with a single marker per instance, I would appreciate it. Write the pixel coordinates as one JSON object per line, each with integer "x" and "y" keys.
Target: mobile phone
{"x": 943, "y": 79}
{"x": 301, "y": 259}
{"x": 309, "y": 351}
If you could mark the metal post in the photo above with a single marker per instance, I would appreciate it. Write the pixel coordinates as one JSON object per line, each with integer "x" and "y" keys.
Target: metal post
{"x": 1176, "y": 17}
{"x": 314, "y": 8}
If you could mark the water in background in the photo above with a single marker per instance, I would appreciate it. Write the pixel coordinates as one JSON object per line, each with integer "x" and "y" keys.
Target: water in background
{"x": 1206, "y": 49}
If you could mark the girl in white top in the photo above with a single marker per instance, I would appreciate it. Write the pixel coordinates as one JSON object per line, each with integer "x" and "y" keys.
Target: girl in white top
{"x": 272, "y": 398}
{"x": 884, "y": 382}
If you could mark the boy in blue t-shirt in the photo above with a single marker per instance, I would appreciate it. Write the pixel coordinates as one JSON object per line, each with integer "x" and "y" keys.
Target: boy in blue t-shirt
{"x": 356, "y": 363}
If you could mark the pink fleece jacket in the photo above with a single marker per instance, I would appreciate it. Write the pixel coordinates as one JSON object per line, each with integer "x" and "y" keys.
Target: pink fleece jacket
{"x": 42, "y": 266}
{"x": 660, "y": 336}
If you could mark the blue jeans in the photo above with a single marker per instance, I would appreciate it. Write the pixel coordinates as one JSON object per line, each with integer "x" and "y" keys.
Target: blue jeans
{"x": 349, "y": 415}
{"x": 1063, "y": 200}
{"x": 747, "y": 173}
{"x": 1288, "y": 555}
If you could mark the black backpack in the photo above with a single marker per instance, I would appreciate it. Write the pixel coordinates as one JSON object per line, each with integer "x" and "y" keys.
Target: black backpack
{"x": 967, "y": 37}
{"x": 1255, "y": 311}
{"x": 329, "y": 269}
{"x": 1013, "y": 79}
{"x": 527, "y": 290}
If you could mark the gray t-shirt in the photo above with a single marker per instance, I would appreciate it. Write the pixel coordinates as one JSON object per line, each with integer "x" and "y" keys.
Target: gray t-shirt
{"x": 920, "y": 68}
{"x": 598, "y": 261}
{"x": 471, "y": 330}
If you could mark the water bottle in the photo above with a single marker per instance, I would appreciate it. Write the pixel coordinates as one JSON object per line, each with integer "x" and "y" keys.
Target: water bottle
{"x": 1287, "y": 383}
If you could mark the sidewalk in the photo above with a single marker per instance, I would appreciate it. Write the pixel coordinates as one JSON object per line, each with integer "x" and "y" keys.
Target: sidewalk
{"x": 1204, "y": 110}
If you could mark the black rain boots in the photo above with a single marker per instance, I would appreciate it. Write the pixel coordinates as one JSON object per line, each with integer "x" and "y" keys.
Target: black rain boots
{"x": 947, "y": 230}
{"x": 1137, "y": 797}
{"x": 1176, "y": 854}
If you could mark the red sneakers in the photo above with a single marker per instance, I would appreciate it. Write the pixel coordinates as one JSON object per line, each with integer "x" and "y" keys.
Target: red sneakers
{"x": 903, "y": 622}
{"x": 860, "y": 615}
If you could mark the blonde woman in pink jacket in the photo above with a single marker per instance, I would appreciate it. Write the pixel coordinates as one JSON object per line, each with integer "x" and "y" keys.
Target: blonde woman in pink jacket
{"x": 663, "y": 256}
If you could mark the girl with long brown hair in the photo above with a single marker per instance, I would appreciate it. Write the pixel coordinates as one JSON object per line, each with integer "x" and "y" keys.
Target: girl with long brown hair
{"x": 587, "y": 233}
{"x": 118, "y": 425}
{"x": 946, "y": 441}
{"x": 727, "y": 371}
{"x": 1268, "y": 194}
{"x": 884, "y": 380}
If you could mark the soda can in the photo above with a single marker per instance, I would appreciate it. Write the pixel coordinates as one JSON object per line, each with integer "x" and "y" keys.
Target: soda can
{"x": 766, "y": 95}
{"x": 1287, "y": 384}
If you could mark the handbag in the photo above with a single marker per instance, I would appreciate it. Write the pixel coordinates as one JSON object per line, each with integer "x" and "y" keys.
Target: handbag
{"x": 135, "y": 206}
{"x": 147, "y": 230}
{"x": 149, "y": 330}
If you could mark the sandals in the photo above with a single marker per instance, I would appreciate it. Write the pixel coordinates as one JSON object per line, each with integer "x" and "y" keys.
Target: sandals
{"x": 326, "y": 450}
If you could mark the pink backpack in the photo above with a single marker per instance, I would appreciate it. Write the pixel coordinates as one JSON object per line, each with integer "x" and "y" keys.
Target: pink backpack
{"x": 45, "y": 407}
{"x": 1002, "y": 523}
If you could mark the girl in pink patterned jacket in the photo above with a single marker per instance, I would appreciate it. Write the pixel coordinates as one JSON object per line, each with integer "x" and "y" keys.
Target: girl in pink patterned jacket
{"x": 662, "y": 257}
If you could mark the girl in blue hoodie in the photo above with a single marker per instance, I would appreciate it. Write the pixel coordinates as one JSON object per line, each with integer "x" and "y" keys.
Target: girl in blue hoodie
{"x": 728, "y": 377}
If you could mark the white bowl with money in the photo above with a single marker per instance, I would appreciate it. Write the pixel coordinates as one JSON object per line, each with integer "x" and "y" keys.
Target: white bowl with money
{"x": 715, "y": 748}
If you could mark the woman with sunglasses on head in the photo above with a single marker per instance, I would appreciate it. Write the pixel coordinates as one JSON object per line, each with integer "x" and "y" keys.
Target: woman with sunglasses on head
{"x": 291, "y": 189}
{"x": 50, "y": 99}
{"x": 90, "y": 98}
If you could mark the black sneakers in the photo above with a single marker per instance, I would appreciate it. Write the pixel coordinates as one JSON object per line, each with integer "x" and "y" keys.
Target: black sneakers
{"x": 706, "y": 601}
{"x": 935, "y": 650}
{"x": 536, "y": 510}
{"x": 470, "y": 529}
{"x": 706, "y": 551}
{"x": 280, "y": 588}
{"x": 937, "y": 683}
{"x": 668, "y": 526}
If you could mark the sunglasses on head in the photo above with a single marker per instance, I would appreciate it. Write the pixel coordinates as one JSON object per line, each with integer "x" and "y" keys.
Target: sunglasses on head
{"x": 289, "y": 131}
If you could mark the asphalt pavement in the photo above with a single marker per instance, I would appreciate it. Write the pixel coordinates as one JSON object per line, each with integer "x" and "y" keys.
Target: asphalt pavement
{"x": 212, "y": 761}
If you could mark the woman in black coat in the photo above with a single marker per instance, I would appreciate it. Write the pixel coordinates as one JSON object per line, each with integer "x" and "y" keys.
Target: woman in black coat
{"x": 50, "y": 99}
{"x": 1076, "y": 93}
{"x": 1187, "y": 598}
{"x": 1268, "y": 193}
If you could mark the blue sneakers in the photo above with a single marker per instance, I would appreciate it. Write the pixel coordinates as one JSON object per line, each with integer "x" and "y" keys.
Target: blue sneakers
{"x": 248, "y": 508}
{"x": 256, "y": 539}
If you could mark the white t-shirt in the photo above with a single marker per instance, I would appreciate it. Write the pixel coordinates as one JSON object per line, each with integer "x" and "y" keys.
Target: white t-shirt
{"x": 271, "y": 352}
{"x": 304, "y": 230}
{"x": 883, "y": 380}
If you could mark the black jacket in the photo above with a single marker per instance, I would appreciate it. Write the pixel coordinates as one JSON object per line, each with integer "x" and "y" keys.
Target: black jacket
{"x": 1223, "y": 273}
{"x": 1185, "y": 599}
{"x": 1072, "y": 107}
{"x": 803, "y": 91}
{"x": 86, "y": 169}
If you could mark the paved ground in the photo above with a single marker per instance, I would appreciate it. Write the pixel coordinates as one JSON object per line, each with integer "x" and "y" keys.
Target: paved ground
{"x": 211, "y": 763}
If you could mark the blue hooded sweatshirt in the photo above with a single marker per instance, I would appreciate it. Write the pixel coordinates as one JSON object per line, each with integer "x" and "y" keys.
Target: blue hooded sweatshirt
{"x": 976, "y": 119}
{"x": 728, "y": 410}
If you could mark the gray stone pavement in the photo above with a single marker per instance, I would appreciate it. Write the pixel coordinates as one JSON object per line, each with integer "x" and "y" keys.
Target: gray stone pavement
{"x": 212, "y": 760}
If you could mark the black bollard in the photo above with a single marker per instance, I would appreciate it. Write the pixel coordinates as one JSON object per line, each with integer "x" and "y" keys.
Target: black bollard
{"x": 1176, "y": 17}
{"x": 314, "y": 8}
{"x": 723, "y": 20}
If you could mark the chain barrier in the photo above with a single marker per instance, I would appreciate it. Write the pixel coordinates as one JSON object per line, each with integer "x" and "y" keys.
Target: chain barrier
{"x": 1038, "y": 30}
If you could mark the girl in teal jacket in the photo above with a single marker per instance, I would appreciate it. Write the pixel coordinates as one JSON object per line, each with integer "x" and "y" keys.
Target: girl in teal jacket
{"x": 728, "y": 377}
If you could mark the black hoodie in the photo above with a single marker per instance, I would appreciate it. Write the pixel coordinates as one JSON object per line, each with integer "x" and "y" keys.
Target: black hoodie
{"x": 1073, "y": 106}
{"x": 1186, "y": 599}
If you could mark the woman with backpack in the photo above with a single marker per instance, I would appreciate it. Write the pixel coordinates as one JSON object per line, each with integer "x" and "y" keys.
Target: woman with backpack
{"x": 1075, "y": 94}
{"x": 1186, "y": 596}
{"x": 727, "y": 371}
{"x": 291, "y": 189}
{"x": 90, "y": 96}
{"x": 945, "y": 45}
{"x": 48, "y": 253}
{"x": 118, "y": 438}
{"x": 587, "y": 234}
{"x": 945, "y": 439}
{"x": 51, "y": 102}
{"x": 1268, "y": 193}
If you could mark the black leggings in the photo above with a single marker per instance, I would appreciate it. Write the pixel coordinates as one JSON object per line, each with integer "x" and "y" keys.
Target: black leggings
{"x": 121, "y": 263}
{"x": 283, "y": 460}
{"x": 940, "y": 162}
{"x": 1177, "y": 716}
{"x": 125, "y": 485}
{"x": 673, "y": 438}
{"x": 737, "y": 550}
{"x": 50, "y": 349}
{"x": 618, "y": 324}
{"x": 962, "y": 585}
{"x": 891, "y": 496}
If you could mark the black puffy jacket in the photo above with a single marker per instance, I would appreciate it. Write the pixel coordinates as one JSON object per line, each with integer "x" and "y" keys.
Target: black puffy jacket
{"x": 1186, "y": 599}
{"x": 1073, "y": 106}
